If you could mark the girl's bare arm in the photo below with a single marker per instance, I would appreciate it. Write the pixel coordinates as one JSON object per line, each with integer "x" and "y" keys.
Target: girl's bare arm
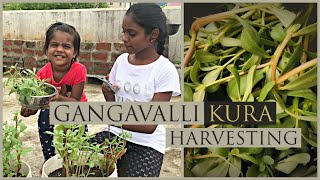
{"x": 149, "y": 129}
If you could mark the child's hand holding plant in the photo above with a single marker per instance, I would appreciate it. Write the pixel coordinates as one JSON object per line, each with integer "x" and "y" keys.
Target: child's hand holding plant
{"x": 62, "y": 91}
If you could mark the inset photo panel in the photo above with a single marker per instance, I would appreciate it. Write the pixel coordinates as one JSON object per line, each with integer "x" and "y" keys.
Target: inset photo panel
{"x": 254, "y": 66}
{"x": 106, "y": 52}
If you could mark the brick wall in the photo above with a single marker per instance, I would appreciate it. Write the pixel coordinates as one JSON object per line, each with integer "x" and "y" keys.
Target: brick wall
{"x": 97, "y": 57}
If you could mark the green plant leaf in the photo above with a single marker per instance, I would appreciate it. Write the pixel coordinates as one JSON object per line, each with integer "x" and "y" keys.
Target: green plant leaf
{"x": 235, "y": 168}
{"x": 259, "y": 75}
{"x": 236, "y": 75}
{"x": 187, "y": 93}
{"x": 205, "y": 57}
{"x": 278, "y": 34}
{"x": 204, "y": 67}
{"x": 186, "y": 71}
{"x": 249, "y": 83}
{"x": 305, "y": 81}
{"x": 311, "y": 55}
{"x": 253, "y": 150}
{"x": 265, "y": 90}
{"x": 230, "y": 42}
{"x": 201, "y": 168}
{"x": 91, "y": 164}
{"x": 253, "y": 60}
{"x": 194, "y": 72}
{"x": 289, "y": 164}
{"x": 267, "y": 160}
{"x": 250, "y": 40}
{"x": 219, "y": 171}
{"x": 210, "y": 28}
{"x": 253, "y": 171}
{"x": 304, "y": 93}
{"x": 211, "y": 77}
{"x": 283, "y": 106}
{"x": 286, "y": 17}
{"x": 186, "y": 38}
{"x": 307, "y": 113}
{"x": 247, "y": 157}
{"x": 294, "y": 60}
{"x": 311, "y": 29}
{"x": 199, "y": 94}
{"x": 220, "y": 151}
{"x": 284, "y": 153}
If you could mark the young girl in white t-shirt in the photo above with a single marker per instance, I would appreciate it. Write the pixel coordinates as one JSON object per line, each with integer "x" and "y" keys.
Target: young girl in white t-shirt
{"x": 142, "y": 74}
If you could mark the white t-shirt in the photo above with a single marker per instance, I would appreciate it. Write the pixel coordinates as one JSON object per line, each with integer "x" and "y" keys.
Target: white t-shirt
{"x": 139, "y": 83}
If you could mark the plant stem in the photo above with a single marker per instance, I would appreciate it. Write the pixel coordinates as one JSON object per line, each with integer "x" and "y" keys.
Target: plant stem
{"x": 305, "y": 48}
{"x": 228, "y": 78}
{"x": 295, "y": 104}
{"x": 18, "y": 167}
{"x": 278, "y": 53}
{"x": 200, "y": 22}
{"x": 296, "y": 70}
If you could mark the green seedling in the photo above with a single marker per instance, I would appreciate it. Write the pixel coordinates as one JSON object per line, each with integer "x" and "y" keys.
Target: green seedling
{"x": 12, "y": 147}
{"x": 74, "y": 146}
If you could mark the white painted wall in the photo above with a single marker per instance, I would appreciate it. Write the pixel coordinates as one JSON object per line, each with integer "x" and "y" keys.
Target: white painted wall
{"x": 93, "y": 25}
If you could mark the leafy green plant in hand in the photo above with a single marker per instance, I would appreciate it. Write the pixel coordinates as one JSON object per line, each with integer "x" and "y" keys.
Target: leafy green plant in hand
{"x": 12, "y": 147}
{"x": 25, "y": 83}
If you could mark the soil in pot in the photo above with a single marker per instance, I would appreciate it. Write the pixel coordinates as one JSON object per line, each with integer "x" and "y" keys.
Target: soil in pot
{"x": 19, "y": 175}
{"x": 94, "y": 172}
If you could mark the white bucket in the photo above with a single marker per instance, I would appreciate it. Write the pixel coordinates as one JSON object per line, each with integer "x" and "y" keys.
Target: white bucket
{"x": 25, "y": 169}
{"x": 55, "y": 163}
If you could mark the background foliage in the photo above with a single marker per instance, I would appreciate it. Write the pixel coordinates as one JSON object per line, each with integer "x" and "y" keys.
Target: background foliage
{"x": 47, "y": 6}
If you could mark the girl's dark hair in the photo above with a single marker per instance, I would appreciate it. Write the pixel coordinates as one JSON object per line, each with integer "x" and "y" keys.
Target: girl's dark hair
{"x": 63, "y": 27}
{"x": 150, "y": 16}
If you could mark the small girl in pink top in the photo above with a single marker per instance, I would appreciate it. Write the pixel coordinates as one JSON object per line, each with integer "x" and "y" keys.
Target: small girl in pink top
{"x": 62, "y": 46}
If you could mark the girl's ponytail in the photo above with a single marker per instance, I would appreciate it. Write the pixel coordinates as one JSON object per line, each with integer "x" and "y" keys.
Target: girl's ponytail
{"x": 160, "y": 45}
{"x": 150, "y": 16}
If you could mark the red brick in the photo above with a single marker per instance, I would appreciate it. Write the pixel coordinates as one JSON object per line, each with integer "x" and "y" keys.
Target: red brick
{"x": 100, "y": 56}
{"x": 100, "y": 65}
{"x": 84, "y": 56}
{"x": 114, "y": 56}
{"x": 119, "y": 46}
{"x": 88, "y": 64}
{"x": 90, "y": 71}
{"x": 18, "y": 42}
{"x": 39, "y": 53}
{"x": 30, "y": 62}
{"x": 6, "y": 50}
{"x": 103, "y": 46}
{"x": 17, "y": 51}
{"x": 7, "y": 42}
{"x": 28, "y": 51}
{"x": 100, "y": 71}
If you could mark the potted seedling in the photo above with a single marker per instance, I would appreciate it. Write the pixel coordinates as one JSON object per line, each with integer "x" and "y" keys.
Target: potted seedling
{"x": 30, "y": 91}
{"x": 77, "y": 157}
{"x": 13, "y": 166}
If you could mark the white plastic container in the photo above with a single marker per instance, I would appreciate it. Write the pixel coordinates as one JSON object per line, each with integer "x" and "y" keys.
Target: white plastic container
{"x": 55, "y": 163}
